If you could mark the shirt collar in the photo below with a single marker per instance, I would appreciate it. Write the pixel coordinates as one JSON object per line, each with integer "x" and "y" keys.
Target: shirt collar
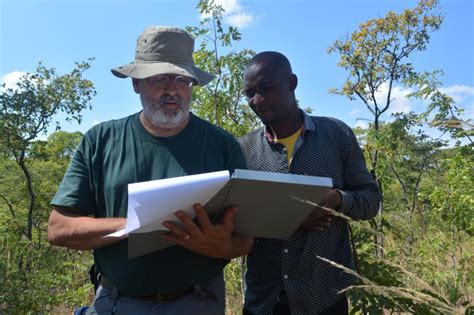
{"x": 308, "y": 124}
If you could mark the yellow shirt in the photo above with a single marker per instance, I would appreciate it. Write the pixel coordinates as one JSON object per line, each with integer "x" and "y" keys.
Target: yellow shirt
{"x": 289, "y": 143}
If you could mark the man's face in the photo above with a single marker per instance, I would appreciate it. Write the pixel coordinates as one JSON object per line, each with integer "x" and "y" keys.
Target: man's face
{"x": 269, "y": 92}
{"x": 166, "y": 99}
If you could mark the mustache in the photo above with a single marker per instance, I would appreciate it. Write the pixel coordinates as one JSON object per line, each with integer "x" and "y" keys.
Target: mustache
{"x": 171, "y": 99}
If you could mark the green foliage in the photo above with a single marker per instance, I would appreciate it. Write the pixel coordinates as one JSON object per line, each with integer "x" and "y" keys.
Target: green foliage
{"x": 451, "y": 196}
{"x": 222, "y": 101}
{"x": 423, "y": 263}
{"x": 427, "y": 266}
{"x": 233, "y": 275}
{"x": 35, "y": 277}
{"x": 60, "y": 145}
{"x": 446, "y": 115}
{"x": 374, "y": 55}
{"x": 27, "y": 111}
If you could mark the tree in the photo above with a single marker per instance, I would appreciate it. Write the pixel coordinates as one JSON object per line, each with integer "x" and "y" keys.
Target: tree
{"x": 376, "y": 56}
{"x": 34, "y": 276}
{"x": 417, "y": 174}
{"x": 222, "y": 101}
{"x": 27, "y": 111}
{"x": 60, "y": 146}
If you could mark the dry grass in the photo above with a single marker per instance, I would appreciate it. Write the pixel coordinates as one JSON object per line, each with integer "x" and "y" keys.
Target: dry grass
{"x": 417, "y": 289}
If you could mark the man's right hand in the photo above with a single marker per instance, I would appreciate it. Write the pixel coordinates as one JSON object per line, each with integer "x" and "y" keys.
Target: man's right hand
{"x": 69, "y": 228}
{"x": 213, "y": 240}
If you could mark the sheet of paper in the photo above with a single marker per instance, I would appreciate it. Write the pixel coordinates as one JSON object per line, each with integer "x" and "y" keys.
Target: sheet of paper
{"x": 153, "y": 202}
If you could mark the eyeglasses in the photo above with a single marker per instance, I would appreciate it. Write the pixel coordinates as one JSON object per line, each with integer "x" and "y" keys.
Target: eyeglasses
{"x": 164, "y": 80}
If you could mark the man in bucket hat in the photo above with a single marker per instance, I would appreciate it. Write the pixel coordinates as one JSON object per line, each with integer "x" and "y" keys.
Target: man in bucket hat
{"x": 164, "y": 140}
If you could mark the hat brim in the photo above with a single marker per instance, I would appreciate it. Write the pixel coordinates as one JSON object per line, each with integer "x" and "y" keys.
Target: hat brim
{"x": 146, "y": 70}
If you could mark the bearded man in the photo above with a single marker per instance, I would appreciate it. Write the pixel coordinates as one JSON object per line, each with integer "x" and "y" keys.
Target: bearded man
{"x": 162, "y": 141}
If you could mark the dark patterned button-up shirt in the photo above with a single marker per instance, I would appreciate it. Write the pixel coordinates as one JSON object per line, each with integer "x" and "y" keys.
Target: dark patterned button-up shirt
{"x": 327, "y": 147}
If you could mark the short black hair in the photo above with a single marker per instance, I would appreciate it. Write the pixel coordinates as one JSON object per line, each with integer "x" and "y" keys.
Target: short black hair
{"x": 272, "y": 59}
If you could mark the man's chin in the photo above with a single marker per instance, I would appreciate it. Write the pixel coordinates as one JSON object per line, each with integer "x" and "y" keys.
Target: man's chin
{"x": 168, "y": 119}
{"x": 265, "y": 117}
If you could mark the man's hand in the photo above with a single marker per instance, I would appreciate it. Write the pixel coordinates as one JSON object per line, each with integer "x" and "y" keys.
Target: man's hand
{"x": 213, "y": 240}
{"x": 320, "y": 219}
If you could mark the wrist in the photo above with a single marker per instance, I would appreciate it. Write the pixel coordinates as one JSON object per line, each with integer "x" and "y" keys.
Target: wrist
{"x": 241, "y": 246}
{"x": 341, "y": 198}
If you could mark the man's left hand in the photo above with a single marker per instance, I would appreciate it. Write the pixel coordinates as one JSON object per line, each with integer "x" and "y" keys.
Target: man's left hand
{"x": 213, "y": 240}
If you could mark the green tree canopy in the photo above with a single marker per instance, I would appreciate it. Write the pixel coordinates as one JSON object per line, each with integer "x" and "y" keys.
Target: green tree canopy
{"x": 28, "y": 110}
{"x": 378, "y": 53}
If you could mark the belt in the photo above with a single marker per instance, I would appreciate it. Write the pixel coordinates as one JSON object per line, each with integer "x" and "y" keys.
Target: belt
{"x": 160, "y": 297}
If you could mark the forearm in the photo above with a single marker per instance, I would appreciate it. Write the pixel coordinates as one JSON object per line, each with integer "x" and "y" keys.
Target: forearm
{"x": 360, "y": 193}
{"x": 361, "y": 204}
{"x": 72, "y": 230}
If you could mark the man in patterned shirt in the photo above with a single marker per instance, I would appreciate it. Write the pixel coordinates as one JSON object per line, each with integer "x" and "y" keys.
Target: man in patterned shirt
{"x": 286, "y": 276}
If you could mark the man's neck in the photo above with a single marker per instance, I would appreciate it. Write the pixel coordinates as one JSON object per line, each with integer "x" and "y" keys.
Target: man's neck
{"x": 162, "y": 131}
{"x": 288, "y": 126}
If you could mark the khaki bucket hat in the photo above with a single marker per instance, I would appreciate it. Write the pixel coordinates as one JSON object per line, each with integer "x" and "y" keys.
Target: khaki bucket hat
{"x": 162, "y": 50}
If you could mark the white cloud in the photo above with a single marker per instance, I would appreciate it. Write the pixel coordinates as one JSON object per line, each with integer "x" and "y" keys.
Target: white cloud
{"x": 458, "y": 92}
{"x": 354, "y": 112}
{"x": 361, "y": 124}
{"x": 229, "y": 6}
{"x": 10, "y": 79}
{"x": 399, "y": 101}
{"x": 234, "y": 13}
{"x": 240, "y": 20}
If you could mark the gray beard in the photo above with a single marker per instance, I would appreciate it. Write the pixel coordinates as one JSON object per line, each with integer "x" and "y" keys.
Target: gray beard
{"x": 164, "y": 118}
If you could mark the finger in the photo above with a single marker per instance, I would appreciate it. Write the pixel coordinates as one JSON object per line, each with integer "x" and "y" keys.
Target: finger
{"x": 202, "y": 217}
{"x": 317, "y": 213}
{"x": 316, "y": 224}
{"x": 312, "y": 228}
{"x": 188, "y": 223}
{"x": 326, "y": 218}
{"x": 320, "y": 225}
{"x": 175, "y": 230}
{"x": 229, "y": 218}
{"x": 174, "y": 239}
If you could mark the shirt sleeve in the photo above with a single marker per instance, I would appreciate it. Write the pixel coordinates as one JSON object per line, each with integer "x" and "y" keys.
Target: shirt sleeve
{"x": 360, "y": 194}
{"x": 76, "y": 189}
{"x": 236, "y": 160}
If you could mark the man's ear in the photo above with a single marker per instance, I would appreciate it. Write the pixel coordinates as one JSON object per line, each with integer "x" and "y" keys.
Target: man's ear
{"x": 293, "y": 82}
{"x": 136, "y": 86}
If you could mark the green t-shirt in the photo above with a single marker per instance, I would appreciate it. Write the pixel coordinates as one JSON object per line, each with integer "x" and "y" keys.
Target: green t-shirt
{"x": 113, "y": 154}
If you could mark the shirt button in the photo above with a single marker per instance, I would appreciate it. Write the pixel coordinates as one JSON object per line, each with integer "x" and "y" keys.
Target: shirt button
{"x": 285, "y": 250}
{"x": 284, "y": 149}
{"x": 285, "y": 276}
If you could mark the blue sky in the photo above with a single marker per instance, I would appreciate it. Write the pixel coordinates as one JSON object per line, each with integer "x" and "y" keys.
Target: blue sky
{"x": 61, "y": 32}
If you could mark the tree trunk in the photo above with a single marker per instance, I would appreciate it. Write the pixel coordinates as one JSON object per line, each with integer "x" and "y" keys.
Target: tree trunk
{"x": 29, "y": 184}
{"x": 379, "y": 239}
